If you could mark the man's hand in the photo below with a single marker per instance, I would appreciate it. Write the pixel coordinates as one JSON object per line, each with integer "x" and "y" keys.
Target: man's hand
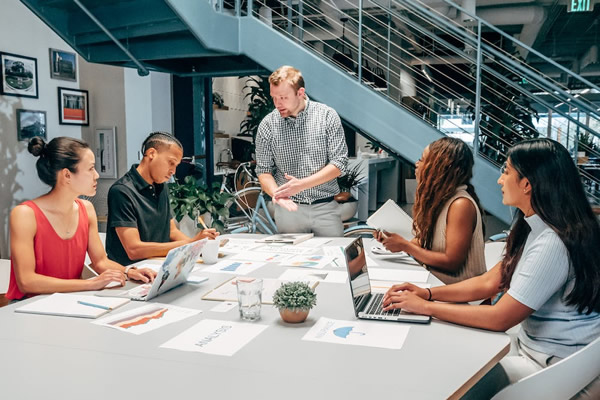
{"x": 286, "y": 203}
{"x": 292, "y": 187}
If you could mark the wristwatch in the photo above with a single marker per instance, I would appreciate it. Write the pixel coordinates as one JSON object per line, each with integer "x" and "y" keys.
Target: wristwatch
{"x": 127, "y": 268}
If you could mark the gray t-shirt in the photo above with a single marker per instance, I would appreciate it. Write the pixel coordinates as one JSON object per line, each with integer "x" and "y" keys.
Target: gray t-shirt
{"x": 541, "y": 281}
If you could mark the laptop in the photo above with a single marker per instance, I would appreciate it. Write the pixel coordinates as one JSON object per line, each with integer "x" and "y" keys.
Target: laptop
{"x": 174, "y": 271}
{"x": 368, "y": 305}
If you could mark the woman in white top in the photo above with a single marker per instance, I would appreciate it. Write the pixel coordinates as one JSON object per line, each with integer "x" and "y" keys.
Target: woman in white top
{"x": 549, "y": 276}
{"x": 447, "y": 218}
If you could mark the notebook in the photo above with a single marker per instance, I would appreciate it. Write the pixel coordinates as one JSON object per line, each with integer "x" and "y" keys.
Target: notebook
{"x": 391, "y": 218}
{"x": 287, "y": 238}
{"x": 367, "y": 304}
{"x": 174, "y": 271}
{"x": 72, "y": 305}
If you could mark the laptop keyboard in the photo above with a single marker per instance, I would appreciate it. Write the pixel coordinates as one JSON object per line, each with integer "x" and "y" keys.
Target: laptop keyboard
{"x": 376, "y": 307}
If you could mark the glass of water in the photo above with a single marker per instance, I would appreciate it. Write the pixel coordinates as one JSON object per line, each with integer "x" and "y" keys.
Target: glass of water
{"x": 249, "y": 292}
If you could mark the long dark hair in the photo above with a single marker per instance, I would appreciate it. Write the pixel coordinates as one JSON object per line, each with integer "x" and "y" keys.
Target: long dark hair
{"x": 61, "y": 152}
{"x": 558, "y": 198}
{"x": 448, "y": 165}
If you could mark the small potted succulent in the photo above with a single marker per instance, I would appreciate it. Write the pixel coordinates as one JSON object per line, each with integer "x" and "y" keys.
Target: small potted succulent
{"x": 294, "y": 300}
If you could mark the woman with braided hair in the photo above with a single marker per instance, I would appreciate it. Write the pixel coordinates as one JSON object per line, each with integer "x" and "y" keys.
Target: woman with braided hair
{"x": 448, "y": 222}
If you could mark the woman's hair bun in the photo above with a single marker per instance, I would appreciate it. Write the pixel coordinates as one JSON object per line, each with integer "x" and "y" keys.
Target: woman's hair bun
{"x": 37, "y": 146}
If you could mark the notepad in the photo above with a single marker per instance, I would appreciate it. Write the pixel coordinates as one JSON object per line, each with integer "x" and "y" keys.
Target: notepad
{"x": 67, "y": 305}
{"x": 287, "y": 238}
{"x": 391, "y": 218}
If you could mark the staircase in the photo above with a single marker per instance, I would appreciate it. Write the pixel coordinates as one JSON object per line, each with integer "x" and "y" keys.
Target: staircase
{"x": 423, "y": 75}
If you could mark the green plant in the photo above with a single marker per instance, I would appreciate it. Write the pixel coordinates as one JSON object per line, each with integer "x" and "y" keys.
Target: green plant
{"x": 260, "y": 105}
{"x": 351, "y": 179}
{"x": 218, "y": 100}
{"x": 294, "y": 296}
{"x": 374, "y": 146}
{"x": 187, "y": 198}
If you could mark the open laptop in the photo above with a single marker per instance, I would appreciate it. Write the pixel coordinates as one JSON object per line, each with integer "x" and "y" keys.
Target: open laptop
{"x": 174, "y": 271}
{"x": 368, "y": 305}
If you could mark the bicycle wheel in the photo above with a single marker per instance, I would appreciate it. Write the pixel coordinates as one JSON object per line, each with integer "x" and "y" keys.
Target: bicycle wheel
{"x": 244, "y": 215}
{"x": 360, "y": 231}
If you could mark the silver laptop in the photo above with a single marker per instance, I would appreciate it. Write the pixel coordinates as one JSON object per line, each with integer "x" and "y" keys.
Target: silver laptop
{"x": 368, "y": 305}
{"x": 174, "y": 271}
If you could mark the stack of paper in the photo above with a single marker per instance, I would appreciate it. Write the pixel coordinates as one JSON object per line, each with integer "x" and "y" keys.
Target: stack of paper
{"x": 73, "y": 305}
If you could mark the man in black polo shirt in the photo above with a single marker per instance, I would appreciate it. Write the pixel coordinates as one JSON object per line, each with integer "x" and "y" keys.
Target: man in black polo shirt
{"x": 139, "y": 216}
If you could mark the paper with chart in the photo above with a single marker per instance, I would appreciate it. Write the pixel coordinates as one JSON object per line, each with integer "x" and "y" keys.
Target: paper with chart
{"x": 235, "y": 245}
{"x": 234, "y": 267}
{"x": 147, "y": 318}
{"x": 358, "y": 333}
{"x": 284, "y": 248}
{"x": 297, "y": 274}
{"x": 338, "y": 253}
{"x": 398, "y": 275}
{"x": 223, "y": 338}
{"x": 260, "y": 256}
{"x": 227, "y": 291}
{"x": 309, "y": 261}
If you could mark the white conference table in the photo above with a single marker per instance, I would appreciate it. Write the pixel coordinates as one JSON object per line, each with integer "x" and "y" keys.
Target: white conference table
{"x": 70, "y": 358}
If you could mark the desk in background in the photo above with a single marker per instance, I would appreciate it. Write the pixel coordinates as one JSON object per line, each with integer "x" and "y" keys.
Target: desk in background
{"x": 70, "y": 358}
{"x": 380, "y": 183}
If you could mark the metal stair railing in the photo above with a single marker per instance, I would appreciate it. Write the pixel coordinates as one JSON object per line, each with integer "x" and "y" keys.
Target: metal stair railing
{"x": 433, "y": 66}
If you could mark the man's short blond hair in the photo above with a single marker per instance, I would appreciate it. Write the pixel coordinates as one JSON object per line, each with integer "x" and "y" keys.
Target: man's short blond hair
{"x": 287, "y": 74}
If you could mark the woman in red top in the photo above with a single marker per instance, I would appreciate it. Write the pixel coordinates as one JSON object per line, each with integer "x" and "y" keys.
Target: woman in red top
{"x": 50, "y": 235}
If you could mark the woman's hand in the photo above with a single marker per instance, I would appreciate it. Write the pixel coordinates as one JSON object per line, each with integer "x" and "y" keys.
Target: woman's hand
{"x": 110, "y": 275}
{"x": 206, "y": 233}
{"x": 392, "y": 241}
{"x": 143, "y": 274}
{"x": 408, "y": 297}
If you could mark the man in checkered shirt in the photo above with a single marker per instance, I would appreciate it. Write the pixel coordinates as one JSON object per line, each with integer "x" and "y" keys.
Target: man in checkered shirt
{"x": 300, "y": 151}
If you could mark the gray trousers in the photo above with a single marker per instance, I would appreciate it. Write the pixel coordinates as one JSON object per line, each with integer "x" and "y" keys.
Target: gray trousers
{"x": 323, "y": 219}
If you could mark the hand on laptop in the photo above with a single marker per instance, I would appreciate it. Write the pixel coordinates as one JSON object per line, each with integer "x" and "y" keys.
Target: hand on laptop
{"x": 102, "y": 280}
{"x": 143, "y": 274}
{"x": 408, "y": 297}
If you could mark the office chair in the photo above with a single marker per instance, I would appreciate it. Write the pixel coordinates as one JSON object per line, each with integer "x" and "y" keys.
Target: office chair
{"x": 562, "y": 380}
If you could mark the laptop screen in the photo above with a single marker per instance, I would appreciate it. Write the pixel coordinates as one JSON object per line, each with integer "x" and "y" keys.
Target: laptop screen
{"x": 356, "y": 262}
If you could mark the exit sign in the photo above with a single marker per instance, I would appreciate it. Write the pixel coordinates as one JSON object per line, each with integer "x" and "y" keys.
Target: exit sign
{"x": 579, "y": 5}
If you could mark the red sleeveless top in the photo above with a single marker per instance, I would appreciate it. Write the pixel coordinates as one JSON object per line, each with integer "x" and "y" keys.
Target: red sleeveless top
{"x": 54, "y": 256}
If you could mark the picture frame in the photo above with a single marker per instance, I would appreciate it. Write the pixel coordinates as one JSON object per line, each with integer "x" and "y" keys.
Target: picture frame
{"x": 63, "y": 65}
{"x": 31, "y": 123}
{"x": 19, "y": 75}
{"x": 106, "y": 152}
{"x": 73, "y": 107}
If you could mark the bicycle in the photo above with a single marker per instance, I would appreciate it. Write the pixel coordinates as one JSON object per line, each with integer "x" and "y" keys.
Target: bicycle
{"x": 248, "y": 209}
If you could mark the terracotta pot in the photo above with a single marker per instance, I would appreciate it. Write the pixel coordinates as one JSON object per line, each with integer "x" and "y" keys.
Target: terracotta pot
{"x": 342, "y": 197}
{"x": 293, "y": 316}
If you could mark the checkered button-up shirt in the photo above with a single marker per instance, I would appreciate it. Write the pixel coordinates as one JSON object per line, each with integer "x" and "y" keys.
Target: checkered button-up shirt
{"x": 301, "y": 147}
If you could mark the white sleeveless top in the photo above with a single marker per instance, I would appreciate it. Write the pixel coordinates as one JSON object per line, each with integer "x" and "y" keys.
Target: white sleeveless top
{"x": 475, "y": 262}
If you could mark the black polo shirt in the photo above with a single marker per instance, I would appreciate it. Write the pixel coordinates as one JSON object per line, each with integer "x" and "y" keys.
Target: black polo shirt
{"x": 134, "y": 203}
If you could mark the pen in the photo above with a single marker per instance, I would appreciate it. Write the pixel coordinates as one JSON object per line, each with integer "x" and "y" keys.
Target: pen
{"x": 85, "y": 303}
{"x": 202, "y": 222}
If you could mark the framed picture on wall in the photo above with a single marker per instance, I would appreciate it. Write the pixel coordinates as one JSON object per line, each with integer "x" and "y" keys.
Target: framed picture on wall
{"x": 106, "y": 152}
{"x": 73, "y": 107}
{"x": 19, "y": 75}
{"x": 63, "y": 65}
{"x": 31, "y": 123}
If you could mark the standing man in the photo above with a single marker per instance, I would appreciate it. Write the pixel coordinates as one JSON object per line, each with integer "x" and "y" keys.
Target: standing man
{"x": 300, "y": 151}
{"x": 139, "y": 215}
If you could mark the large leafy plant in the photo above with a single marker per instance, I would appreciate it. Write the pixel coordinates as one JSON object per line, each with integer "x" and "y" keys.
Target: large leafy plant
{"x": 294, "y": 296}
{"x": 259, "y": 106}
{"x": 188, "y": 198}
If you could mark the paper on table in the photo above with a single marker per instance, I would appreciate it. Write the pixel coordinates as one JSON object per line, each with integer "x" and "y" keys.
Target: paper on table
{"x": 294, "y": 274}
{"x": 227, "y": 291}
{"x": 234, "y": 267}
{"x": 238, "y": 245}
{"x": 308, "y": 261}
{"x": 211, "y": 336}
{"x": 224, "y": 306}
{"x": 284, "y": 248}
{"x": 371, "y": 262}
{"x": 398, "y": 275}
{"x": 259, "y": 256}
{"x": 67, "y": 305}
{"x": 147, "y": 318}
{"x": 358, "y": 333}
{"x": 316, "y": 242}
{"x": 337, "y": 252}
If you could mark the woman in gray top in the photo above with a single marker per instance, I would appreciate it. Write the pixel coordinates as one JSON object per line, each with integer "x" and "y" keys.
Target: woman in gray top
{"x": 549, "y": 276}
